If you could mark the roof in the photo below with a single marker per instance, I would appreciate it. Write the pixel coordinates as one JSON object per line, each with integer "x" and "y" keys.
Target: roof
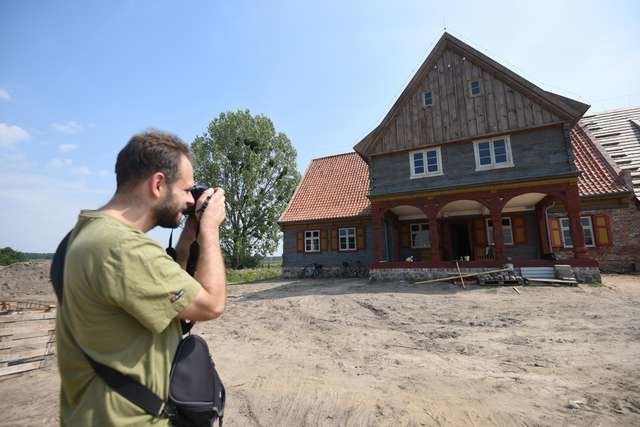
{"x": 567, "y": 108}
{"x": 337, "y": 186}
{"x": 599, "y": 174}
{"x": 332, "y": 187}
{"x": 618, "y": 133}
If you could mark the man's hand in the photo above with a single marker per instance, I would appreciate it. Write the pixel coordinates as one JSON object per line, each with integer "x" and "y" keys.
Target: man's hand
{"x": 211, "y": 212}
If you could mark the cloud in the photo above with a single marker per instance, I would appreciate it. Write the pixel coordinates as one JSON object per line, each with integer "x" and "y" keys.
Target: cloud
{"x": 4, "y": 94}
{"x": 81, "y": 170}
{"x": 65, "y": 148}
{"x": 60, "y": 163}
{"x": 69, "y": 128}
{"x": 10, "y": 135}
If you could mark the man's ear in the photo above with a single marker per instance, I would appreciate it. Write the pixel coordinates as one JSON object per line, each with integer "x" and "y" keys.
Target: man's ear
{"x": 157, "y": 184}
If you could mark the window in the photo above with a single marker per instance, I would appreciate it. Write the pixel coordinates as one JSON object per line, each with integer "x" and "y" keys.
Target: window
{"x": 312, "y": 241}
{"x": 420, "y": 237}
{"x": 493, "y": 153}
{"x": 587, "y": 228}
{"x": 347, "y": 239}
{"x": 425, "y": 163}
{"x": 427, "y": 99}
{"x": 507, "y": 230}
{"x": 475, "y": 88}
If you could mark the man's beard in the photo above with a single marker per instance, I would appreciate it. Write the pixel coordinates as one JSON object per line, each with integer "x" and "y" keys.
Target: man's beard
{"x": 168, "y": 213}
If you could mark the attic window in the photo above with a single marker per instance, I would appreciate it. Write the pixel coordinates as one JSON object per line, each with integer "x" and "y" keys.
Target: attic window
{"x": 475, "y": 88}
{"x": 427, "y": 99}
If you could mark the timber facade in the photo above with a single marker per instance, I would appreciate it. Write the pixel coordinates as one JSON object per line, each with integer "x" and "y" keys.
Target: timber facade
{"x": 473, "y": 165}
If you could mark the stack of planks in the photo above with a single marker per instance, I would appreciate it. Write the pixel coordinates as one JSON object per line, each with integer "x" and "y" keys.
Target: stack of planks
{"x": 27, "y": 335}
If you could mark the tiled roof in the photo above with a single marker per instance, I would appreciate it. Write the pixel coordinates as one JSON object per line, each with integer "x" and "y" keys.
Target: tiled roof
{"x": 618, "y": 133}
{"x": 337, "y": 186}
{"x": 332, "y": 187}
{"x": 599, "y": 176}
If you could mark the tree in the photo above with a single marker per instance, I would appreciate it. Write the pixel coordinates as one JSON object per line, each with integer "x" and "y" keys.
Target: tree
{"x": 9, "y": 256}
{"x": 256, "y": 167}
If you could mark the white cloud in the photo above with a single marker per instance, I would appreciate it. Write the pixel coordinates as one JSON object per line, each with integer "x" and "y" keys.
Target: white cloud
{"x": 4, "y": 94}
{"x": 70, "y": 128}
{"x": 10, "y": 135}
{"x": 81, "y": 170}
{"x": 60, "y": 163}
{"x": 65, "y": 148}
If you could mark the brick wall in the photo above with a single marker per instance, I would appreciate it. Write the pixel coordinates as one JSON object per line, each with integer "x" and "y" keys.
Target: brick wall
{"x": 624, "y": 253}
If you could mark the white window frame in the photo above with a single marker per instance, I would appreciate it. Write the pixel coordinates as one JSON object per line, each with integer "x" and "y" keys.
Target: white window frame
{"x": 421, "y": 228}
{"x": 425, "y": 172}
{"x": 350, "y": 233}
{"x": 311, "y": 236}
{"x": 507, "y": 230}
{"x": 492, "y": 152}
{"x": 587, "y": 229}
{"x": 471, "y": 88}
{"x": 424, "y": 99}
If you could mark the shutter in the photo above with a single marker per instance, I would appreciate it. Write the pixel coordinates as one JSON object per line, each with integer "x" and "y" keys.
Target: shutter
{"x": 602, "y": 230}
{"x": 519, "y": 230}
{"x": 479, "y": 232}
{"x": 300, "y": 241}
{"x": 406, "y": 236}
{"x": 556, "y": 233}
{"x": 334, "y": 239}
{"x": 323, "y": 241}
{"x": 361, "y": 242}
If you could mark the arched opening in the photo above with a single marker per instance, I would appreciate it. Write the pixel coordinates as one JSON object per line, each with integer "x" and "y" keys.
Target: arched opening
{"x": 461, "y": 222}
{"x": 398, "y": 237}
{"x": 523, "y": 227}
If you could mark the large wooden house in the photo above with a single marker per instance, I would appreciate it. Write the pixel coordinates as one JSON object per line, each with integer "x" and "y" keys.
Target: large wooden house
{"x": 473, "y": 164}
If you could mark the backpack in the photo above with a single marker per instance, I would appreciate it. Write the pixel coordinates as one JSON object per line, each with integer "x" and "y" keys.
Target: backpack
{"x": 193, "y": 402}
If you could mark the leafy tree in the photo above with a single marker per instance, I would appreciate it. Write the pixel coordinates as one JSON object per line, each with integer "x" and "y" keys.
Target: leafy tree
{"x": 256, "y": 167}
{"x": 9, "y": 256}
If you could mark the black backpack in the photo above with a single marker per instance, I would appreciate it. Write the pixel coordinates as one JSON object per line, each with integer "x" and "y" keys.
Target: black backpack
{"x": 193, "y": 401}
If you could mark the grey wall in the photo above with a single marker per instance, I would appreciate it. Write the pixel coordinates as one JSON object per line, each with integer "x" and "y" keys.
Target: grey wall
{"x": 292, "y": 258}
{"x": 532, "y": 248}
{"x": 536, "y": 154}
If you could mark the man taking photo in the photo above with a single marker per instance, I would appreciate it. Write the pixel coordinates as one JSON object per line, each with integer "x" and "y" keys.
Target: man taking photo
{"x": 124, "y": 296}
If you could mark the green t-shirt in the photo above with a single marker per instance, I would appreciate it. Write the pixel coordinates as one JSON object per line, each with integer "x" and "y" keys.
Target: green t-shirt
{"x": 121, "y": 297}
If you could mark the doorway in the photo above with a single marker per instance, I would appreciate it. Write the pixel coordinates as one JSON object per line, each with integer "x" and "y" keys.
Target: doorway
{"x": 460, "y": 244}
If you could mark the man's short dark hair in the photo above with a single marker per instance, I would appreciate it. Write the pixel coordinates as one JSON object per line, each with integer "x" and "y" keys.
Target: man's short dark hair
{"x": 147, "y": 153}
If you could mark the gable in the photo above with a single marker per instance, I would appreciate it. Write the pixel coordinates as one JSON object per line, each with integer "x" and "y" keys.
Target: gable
{"x": 507, "y": 103}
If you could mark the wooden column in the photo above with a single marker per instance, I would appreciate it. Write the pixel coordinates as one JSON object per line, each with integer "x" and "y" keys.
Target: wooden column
{"x": 377, "y": 232}
{"x": 498, "y": 235}
{"x": 575, "y": 225}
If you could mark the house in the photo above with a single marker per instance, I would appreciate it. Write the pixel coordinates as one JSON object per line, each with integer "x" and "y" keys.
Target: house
{"x": 468, "y": 145}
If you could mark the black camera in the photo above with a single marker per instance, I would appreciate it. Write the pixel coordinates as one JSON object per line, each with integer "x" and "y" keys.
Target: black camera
{"x": 196, "y": 192}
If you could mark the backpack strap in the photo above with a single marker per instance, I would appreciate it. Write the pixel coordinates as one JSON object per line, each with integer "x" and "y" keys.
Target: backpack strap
{"x": 122, "y": 384}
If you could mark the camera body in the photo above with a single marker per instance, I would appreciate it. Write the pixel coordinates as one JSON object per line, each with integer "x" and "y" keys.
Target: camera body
{"x": 196, "y": 192}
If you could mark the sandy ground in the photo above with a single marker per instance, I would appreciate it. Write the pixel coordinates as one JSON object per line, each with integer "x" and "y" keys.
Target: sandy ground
{"x": 355, "y": 353}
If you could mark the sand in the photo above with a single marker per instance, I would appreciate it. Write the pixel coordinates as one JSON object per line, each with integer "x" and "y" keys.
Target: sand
{"x": 360, "y": 353}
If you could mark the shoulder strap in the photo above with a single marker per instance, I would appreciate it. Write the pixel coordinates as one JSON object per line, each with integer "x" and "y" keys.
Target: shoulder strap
{"x": 124, "y": 385}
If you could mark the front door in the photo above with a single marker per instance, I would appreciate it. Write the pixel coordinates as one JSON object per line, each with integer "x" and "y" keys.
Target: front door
{"x": 460, "y": 245}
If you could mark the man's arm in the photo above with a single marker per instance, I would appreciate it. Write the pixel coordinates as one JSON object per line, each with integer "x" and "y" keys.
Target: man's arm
{"x": 210, "y": 301}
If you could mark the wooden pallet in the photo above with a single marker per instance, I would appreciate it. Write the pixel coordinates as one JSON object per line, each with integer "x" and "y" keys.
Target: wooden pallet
{"x": 27, "y": 336}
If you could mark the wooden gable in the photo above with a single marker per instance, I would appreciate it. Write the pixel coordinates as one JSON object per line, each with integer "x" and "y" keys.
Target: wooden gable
{"x": 506, "y": 103}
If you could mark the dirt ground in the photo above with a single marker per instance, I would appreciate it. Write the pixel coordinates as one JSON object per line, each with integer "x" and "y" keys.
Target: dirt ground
{"x": 359, "y": 353}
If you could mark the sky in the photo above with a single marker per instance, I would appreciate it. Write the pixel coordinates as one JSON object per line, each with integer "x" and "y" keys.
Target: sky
{"x": 79, "y": 78}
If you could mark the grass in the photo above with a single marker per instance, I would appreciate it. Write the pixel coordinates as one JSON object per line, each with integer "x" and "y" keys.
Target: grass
{"x": 252, "y": 274}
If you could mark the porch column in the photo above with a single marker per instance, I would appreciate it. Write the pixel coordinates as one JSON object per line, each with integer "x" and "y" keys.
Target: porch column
{"x": 575, "y": 225}
{"x": 498, "y": 235}
{"x": 377, "y": 233}
{"x": 434, "y": 231}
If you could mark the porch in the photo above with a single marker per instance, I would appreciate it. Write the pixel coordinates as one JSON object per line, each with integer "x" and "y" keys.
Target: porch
{"x": 434, "y": 231}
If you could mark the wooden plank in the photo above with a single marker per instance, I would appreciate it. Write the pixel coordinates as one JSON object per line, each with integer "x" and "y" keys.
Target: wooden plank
{"x": 23, "y": 367}
{"x": 489, "y": 103}
{"x": 10, "y": 328}
{"x": 437, "y": 107}
{"x": 528, "y": 111}
{"x": 444, "y": 279}
{"x": 25, "y": 354}
{"x": 472, "y": 129}
{"x": 444, "y": 104}
{"x": 570, "y": 282}
{"x": 478, "y": 102}
{"x": 17, "y": 335}
{"x": 458, "y": 82}
{"x": 501, "y": 105}
{"x": 43, "y": 340}
{"x": 511, "y": 107}
{"x": 26, "y": 316}
{"x": 452, "y": 127}
{"x": 519, "y": 110}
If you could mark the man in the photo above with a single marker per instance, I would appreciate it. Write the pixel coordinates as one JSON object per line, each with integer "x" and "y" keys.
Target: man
{"x": 123, "y": 296}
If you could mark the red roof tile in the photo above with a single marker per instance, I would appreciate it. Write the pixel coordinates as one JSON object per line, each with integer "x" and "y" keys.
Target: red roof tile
{"x": 337, "y": 186}
{"x": 332, "y": 187}
{"x": 599, "y": 176}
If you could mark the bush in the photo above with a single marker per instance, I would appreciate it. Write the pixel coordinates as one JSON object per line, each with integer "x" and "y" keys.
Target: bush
{"x": 9, "y": 256}
{"x": 252, "y": 274}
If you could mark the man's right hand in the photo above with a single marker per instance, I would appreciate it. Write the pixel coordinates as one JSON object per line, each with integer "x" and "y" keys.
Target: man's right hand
{"x": 214, "y": 212}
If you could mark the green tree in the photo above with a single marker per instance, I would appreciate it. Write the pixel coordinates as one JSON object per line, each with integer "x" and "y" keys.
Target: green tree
{"x": 9, "y": 256}
{"x": 256, "y": 167}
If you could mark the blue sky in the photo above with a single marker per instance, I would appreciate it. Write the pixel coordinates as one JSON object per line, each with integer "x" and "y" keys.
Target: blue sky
{"x": 78, "y": 78}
